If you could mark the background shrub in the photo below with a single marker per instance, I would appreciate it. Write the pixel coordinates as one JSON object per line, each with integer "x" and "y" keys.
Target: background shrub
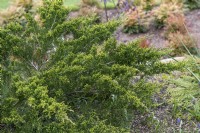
{"x": 192, "y": 4}
{"x": 179, "y": 41}
{"x": 136, "y": 21}
{"x": 164, "y": 11}
{"x": 175, "y": 23}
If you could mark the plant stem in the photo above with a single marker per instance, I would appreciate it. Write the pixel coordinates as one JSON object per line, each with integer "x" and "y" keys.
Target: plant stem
{"x": 105, "y": 8}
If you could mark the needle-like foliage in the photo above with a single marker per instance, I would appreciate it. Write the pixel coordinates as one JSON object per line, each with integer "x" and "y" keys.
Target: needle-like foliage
{"x": 69, "y": 75}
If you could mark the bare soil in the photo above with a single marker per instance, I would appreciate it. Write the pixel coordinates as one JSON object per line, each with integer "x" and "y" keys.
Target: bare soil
{"x": 193, "y": 25}
{"x": 155, "y": 37}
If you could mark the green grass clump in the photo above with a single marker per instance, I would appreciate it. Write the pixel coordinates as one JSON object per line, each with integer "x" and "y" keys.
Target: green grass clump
{"x": 185, "y": 97}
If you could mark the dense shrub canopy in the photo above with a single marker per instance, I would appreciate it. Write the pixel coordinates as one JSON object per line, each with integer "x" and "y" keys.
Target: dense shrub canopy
{"x": 70, "y": 75}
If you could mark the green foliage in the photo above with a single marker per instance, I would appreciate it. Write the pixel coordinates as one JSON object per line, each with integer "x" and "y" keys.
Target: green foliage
{"x": 192, "y": 4}
{"x": 185, "y": 97}
{"x": 32, "y": 110}
{"x": 92, "y": 124}
{"x": 61, "y": 75}
{"x": 164, "y": 11}
{"x": 135, "y": 29}
{"x": 4, "y": 4}
{"x": 185, "y": 93}
{"x": 136, "y": 21}
{"x": 149, "y": 5}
